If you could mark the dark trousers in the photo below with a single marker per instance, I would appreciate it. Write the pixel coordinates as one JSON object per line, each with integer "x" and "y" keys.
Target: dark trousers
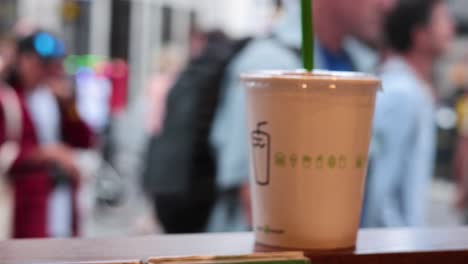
{"x": 180, "y": 214}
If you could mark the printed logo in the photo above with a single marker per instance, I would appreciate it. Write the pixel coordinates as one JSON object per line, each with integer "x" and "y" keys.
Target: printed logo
{"x": 342, "y": 162}
{"x": 360, "y": 162}
{"x": 307, "y": 162}
{"x": 280, "y": 159}
{"x": 293, "y": 160}
{"x": 261, "y": 144}
{"x": 319, "y": 162}
{"x": 332, "y": 162}
{"x": 267, "y": 230}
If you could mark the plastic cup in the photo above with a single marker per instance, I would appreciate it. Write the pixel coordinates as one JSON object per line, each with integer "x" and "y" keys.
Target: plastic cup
{"x": 310, "y": 136}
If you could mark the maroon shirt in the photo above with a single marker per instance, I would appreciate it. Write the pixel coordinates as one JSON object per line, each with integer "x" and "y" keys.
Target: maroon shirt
{"x": 31, "y": 180}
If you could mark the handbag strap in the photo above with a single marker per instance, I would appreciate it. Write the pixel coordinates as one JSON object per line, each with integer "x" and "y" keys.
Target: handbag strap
{"x": 11, "y": 108}
{"x": 12, "y": 114}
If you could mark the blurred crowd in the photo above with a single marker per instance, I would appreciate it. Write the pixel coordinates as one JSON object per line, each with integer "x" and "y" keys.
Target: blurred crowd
{"x": 54, "y": 111}
{"x": 193, "y": 163}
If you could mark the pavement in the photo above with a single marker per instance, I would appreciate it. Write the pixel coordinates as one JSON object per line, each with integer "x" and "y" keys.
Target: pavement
{"x": 442, "y": 212}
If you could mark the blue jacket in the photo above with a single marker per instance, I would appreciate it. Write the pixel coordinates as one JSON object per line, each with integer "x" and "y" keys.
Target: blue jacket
{"x": 403, "y": 149}
{"x": 229, "y": 133}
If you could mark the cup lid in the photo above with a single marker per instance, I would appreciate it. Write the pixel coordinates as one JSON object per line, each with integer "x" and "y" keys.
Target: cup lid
{"x": 316, "y": 76}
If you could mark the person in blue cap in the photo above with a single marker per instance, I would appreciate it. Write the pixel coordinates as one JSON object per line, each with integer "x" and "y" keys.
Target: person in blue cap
{"x": 51, "y": 128}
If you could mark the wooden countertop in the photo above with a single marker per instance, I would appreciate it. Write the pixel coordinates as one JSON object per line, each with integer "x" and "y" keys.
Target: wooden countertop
{"x": 374, "y": 246}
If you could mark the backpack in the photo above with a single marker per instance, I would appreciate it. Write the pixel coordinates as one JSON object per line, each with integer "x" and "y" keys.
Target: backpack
{"x": 180, "y": 157}
{"x": 180, "y": 163}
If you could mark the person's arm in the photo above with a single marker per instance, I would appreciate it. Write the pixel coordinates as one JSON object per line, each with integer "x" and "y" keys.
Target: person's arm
{"x": 394, "y": 120}
{"x": 31, "y": 156}
{"x": 26, "y": 156}
{"x": 460, "y": 171}
{"x": 416, "y": 183}
{"x": 75, "y": 132}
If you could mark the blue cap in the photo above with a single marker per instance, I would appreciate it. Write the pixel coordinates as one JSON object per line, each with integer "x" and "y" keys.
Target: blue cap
{"x": 44, "y": 44}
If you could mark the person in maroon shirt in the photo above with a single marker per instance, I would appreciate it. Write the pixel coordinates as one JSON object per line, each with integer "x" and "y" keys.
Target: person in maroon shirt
{"x": 31, "y": 172}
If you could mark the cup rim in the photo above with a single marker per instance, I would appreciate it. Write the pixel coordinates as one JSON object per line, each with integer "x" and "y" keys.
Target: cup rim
{"x": 314, "y": 76}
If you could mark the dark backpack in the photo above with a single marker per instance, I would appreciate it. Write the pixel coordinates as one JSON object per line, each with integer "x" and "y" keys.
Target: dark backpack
{"x": 180, "y": 161}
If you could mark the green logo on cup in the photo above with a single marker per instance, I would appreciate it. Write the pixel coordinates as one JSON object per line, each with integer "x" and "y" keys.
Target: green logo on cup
{"x": 319, "y": 162}
{"x": 280, "y": 159}
{"x": 342, "y": 162}
{"x": 293, "y": 159}
{"x": 332, "y": 162}
{"x": 307, "y": 161}
{"x": 360, "y": 162}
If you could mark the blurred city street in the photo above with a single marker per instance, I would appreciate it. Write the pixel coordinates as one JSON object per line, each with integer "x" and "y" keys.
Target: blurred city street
{"x": 107, "y": 85}
{"x": 441, "y": 208}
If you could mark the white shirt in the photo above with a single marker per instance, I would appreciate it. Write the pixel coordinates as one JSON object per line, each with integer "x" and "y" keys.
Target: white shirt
{"x": 45, "y": 114}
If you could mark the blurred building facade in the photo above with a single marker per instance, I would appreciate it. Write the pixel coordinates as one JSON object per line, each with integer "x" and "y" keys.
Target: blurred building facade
{"x": 133, "y": 30}
{"x": 139, "y": 32}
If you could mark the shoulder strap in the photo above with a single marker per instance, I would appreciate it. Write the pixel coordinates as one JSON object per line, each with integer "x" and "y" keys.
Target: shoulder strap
{"x": 12, "y": 114}
{"x": 9, "y": 150}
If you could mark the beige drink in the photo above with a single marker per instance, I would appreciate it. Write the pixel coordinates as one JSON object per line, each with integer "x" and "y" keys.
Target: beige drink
{"x": 310, "y": 136}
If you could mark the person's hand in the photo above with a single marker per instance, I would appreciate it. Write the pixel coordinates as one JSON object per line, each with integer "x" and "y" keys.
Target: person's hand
{"x": 460, "y": 171}
{"x": 2, "y": 66}
{"x": 460, "y": 200}
{"x": 246, "y": 202}
{"x": 63, "y": 157}
{"x": 61, "y": 88}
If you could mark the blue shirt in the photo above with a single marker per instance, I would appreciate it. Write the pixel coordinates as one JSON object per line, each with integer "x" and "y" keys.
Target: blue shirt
{"x": 403, "y": 149}
{"x": 340, "y": 61}
{"x": 229, "y": 137}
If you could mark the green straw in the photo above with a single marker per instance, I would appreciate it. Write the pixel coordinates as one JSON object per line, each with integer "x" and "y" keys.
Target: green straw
{"x": 307, "y": 35}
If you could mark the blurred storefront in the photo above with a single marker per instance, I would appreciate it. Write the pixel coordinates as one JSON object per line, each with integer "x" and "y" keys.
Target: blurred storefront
{"x": 137, "y": 31}
{"x": 7, "y": 14}
{"x": 156, "y": 24}
{"x": 116, "y": 47}
{"x": 133, "y": 30}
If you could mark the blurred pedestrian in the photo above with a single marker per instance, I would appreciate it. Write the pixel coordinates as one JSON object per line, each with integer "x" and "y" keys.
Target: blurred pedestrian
{"x": 418, "y": 32}
{"x": 335, "y": 21}
{"x": 31, "y": 174}
{"x": 7, "y": 55}
{"x": 171, "y": 63}
{"x": 180, "y": 169}
{"x": 460, "y": 161}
